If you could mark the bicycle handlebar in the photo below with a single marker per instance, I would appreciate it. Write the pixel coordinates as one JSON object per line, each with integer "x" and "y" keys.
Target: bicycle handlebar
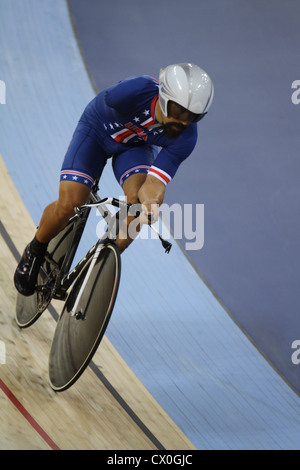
{"x": 137, "y": 208}
{"x": 107, "y": 200}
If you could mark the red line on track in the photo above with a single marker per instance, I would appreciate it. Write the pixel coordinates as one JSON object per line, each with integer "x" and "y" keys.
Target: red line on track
{"x": 28, "y": 416}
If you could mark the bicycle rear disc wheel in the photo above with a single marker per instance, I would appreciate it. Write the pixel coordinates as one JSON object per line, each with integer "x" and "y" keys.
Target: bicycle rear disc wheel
{"x": 29, "y": 309}
{"x": 78, "y": 333}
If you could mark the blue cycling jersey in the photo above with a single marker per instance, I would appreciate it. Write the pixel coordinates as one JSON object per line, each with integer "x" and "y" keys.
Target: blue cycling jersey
{"x": 121, "y": 118}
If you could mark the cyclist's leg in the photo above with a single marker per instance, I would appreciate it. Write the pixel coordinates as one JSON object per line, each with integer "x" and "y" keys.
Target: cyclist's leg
{"x": 83, "y": 162}
{"x": 131, "y": 169}
{"x": 57, "y": 214}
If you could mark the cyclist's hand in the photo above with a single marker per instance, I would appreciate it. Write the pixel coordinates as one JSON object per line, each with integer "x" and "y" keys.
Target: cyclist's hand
{"x": 150, "y": 212}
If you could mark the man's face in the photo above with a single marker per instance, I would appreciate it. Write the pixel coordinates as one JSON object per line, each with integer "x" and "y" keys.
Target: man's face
{"x": 177, "y": 120}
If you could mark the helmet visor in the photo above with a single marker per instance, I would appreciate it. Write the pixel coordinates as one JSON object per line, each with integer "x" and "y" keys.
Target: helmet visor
{"x": 198, "y": 117}
{"x": 178, "y": 112}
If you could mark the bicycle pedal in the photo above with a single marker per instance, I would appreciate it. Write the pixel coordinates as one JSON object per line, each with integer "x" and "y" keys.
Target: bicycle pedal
{"x": 42, "y": 289}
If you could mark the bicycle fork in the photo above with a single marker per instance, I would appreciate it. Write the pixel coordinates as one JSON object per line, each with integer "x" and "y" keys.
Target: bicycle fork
{"x": 74, "y": 313}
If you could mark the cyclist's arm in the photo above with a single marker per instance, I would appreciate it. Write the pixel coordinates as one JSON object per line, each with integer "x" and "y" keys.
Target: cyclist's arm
{"x": 151, "y": 196}
{"x": 164, "y": 169}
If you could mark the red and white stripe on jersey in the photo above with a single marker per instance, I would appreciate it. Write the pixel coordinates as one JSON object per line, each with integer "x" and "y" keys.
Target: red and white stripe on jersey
{"x": 123, "y": 136}
{"x": 148, "y": 122}
{"x": 160, "y": 174}
{"x": 151, "y": 120}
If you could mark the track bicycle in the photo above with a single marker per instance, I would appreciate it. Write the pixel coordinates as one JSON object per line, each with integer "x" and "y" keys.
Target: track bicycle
{"x": 88, "y": 290}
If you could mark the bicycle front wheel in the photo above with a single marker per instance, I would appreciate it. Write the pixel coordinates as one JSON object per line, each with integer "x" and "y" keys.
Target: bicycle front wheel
{"x": 84, "y": 318}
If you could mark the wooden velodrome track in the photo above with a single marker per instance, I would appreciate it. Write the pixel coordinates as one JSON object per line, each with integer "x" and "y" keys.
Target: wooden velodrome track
{"x": 108, "y": 408}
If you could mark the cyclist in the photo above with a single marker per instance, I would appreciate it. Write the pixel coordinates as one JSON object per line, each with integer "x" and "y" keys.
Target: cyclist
{"x": 148, "y": 127}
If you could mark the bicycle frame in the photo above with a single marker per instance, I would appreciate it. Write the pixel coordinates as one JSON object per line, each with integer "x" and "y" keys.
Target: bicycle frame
{"x": 56, "y": 276}
{"x": 113, "y": 222}
{"x": 66, "y": 277}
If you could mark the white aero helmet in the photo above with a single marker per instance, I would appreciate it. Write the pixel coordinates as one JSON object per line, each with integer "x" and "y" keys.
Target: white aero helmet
{"x": 188, "y": 85}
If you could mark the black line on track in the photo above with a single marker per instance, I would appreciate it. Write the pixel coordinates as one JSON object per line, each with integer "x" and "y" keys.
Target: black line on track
{"x": 11, "y": 246}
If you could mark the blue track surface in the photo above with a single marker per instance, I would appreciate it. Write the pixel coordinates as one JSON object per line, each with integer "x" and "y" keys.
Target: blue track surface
{"x": 246, "y": 166}
{"x": 167, "y": 325}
